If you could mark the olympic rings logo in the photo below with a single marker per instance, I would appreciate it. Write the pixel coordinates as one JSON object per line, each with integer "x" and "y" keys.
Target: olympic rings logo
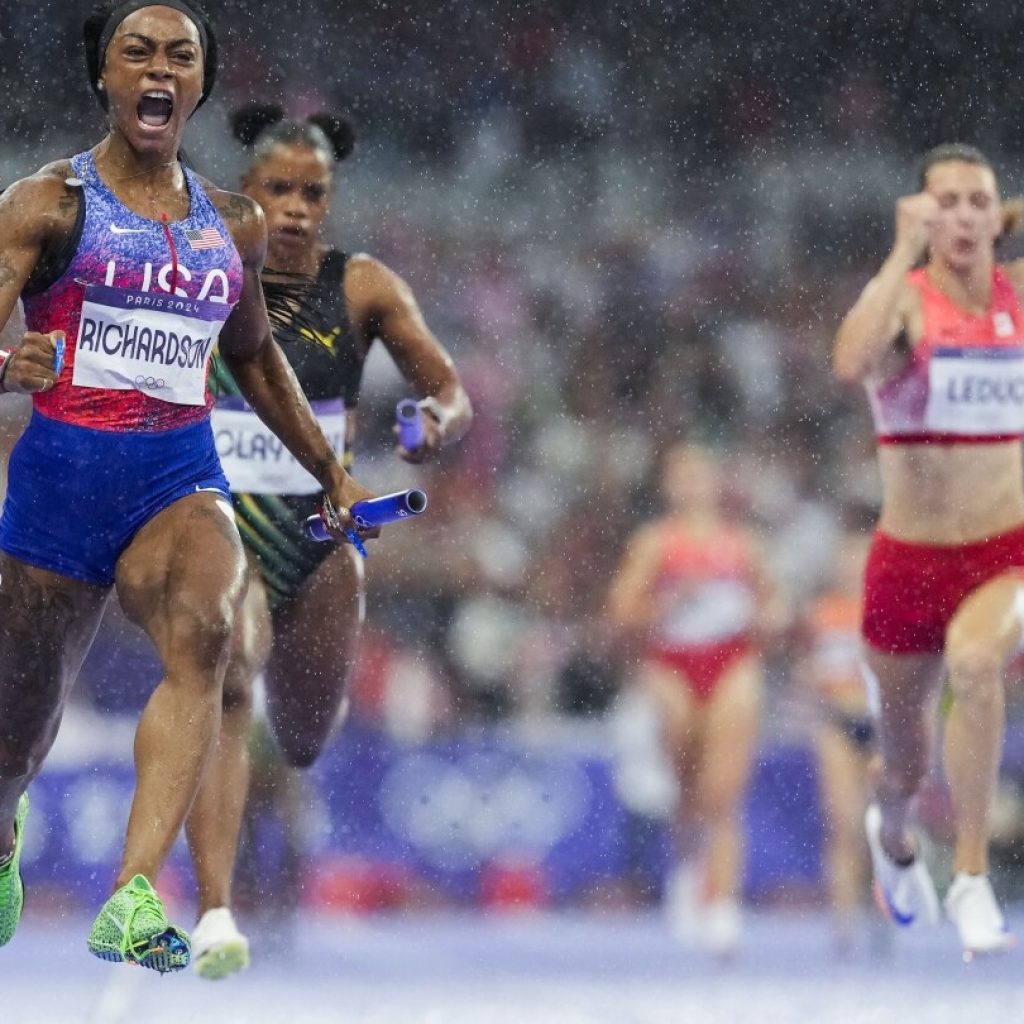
{"x": 150, "y": 383}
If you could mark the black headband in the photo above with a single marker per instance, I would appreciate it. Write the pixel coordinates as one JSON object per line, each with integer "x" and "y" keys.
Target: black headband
{"x": 120, "y": 13}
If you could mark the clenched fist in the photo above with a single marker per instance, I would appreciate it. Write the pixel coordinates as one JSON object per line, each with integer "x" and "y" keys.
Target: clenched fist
{"x": 916, "y": 216}
{"x": 35, "y": 364}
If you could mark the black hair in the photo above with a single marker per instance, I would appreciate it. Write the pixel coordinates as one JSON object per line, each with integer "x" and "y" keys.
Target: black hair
{"x": 96, "y": 23}
{"x": 261, "y": 126}
{"x": 947, "y": 152}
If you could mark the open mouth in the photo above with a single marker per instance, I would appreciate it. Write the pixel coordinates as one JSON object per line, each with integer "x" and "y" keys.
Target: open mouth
{"x": 155, "y": 108}
{"x": 291, "y": 231}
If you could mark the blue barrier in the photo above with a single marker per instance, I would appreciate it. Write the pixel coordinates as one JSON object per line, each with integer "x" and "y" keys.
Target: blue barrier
{"x": 446, "y": 812}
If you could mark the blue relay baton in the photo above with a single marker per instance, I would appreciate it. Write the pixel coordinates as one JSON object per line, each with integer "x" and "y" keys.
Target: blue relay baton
{"x": 58, "y": 355}
{"x": 374, "y": 512}
{"x": 409, "y": 417}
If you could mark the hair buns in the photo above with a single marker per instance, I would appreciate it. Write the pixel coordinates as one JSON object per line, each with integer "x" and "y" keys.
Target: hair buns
{"x": 339, "y": 131}
{"x": 250, "y": 121}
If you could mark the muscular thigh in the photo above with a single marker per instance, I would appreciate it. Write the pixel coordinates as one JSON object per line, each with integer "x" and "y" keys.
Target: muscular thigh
{"x": 182, "y": 579}
{"x": 906, "y": 689}
{"x": 732, "y": 725}
{"x": 902, "y": 684}
{"x": 252, "y": 638}
{"x": 680, "y": 714}
{"x": 315, "y": 633}
{"x": 991, "y": 619}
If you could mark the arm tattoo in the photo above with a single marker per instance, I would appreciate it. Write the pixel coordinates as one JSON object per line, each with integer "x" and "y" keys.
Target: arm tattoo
{"x": 7, "y": 272}
{"x": 224, "y": 525}
{"x": 323, "y": 465}
{"x": 68, "y": 203}
{"x": 236, "y": 209}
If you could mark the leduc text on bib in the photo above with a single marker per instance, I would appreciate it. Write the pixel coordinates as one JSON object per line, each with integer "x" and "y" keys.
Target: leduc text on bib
{"x": 976, "y": 391}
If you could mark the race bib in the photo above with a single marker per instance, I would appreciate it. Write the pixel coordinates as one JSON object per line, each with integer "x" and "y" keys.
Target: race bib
{"x": 976, "y": 391}
{"x": 719, "y": 610}
{"x": 254, "y": 459}
{"x": 152, "y": 342}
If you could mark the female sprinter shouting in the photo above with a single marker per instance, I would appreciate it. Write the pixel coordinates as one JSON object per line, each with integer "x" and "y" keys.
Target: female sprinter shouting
{"x": 130, "y": 269}
{"x": 940, "y": 349}
{"x": 306, "y": 655}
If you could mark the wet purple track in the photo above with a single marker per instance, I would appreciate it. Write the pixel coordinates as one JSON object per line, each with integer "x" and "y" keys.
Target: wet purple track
{"x": 565, "y": 969}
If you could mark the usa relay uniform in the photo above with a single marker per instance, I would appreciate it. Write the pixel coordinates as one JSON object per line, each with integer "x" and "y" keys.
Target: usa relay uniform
{"x": 125, "y": 431}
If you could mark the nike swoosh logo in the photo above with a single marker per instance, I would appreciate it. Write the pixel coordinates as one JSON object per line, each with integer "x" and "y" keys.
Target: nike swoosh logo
{"x": 126, "y": 231}
{"x": 117, "y": 924}
{"x": 215, "y": 490}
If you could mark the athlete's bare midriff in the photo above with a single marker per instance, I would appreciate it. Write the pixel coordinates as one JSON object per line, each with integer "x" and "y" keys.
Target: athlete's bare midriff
{"x": 951, "y": 494}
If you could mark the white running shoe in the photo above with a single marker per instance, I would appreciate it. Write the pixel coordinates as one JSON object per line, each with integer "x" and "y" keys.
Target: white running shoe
{"x": 971, "y": 906}
{"x": 906, "y": 895}
{"x": 722, "y": 928}
{"x": 218, "y": 947}
{"x": 682, "y": 904}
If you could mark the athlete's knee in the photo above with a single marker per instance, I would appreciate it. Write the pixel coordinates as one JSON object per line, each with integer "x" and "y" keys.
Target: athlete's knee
{"x": 18, "y": 759}
{"x": 301, "y": 745}
{"x": 304, "y": 728}
{"x": 975, "y": 669}
{"x": 718, "y": 805}
{"x": 299, "y": 753}
{"x": 237, "y": 696}
{"x": 843, "y": 829}
{"x": 248, "y": 657}
{"x": 22, "y": 753}
{"x": 202, "y": 633}
{"x": 300, "y": 750}
{"x": 301, "y": 756}
{"x": 903, "y": 780}
{"x": 239, "y": 675}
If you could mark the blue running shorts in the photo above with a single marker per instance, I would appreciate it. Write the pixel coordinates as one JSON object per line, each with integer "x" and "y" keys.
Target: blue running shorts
{"x": 76, "y": 496}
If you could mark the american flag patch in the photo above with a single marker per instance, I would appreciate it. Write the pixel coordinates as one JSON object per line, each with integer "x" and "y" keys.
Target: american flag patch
{"x": 205, "y": 238}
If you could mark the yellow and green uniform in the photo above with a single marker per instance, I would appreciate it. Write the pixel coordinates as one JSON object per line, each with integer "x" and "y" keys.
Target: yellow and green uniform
{"x": 272, "y": 495}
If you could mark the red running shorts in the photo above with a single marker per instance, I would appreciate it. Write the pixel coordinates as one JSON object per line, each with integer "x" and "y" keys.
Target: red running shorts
{"x": 912, "y": 591}
{"x": 702, "y": 666}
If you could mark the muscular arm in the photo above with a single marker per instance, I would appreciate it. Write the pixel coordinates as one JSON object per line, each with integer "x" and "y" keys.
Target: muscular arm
{"x": 383, "y": 305}
{"x": 36, "y": 214}
{"x": 258, "y": 365}
{"x": 11, "y": 333}
{"x": 866, "y": 340}
{"x": 36, "y": 217}
{"x": 868, "y": 333}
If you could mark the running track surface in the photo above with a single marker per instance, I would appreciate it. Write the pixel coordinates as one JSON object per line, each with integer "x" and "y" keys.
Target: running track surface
{"x": 568, "y": 969}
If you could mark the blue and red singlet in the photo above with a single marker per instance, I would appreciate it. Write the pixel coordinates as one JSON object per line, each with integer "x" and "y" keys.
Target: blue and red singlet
{"x": 125, "y": 431}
